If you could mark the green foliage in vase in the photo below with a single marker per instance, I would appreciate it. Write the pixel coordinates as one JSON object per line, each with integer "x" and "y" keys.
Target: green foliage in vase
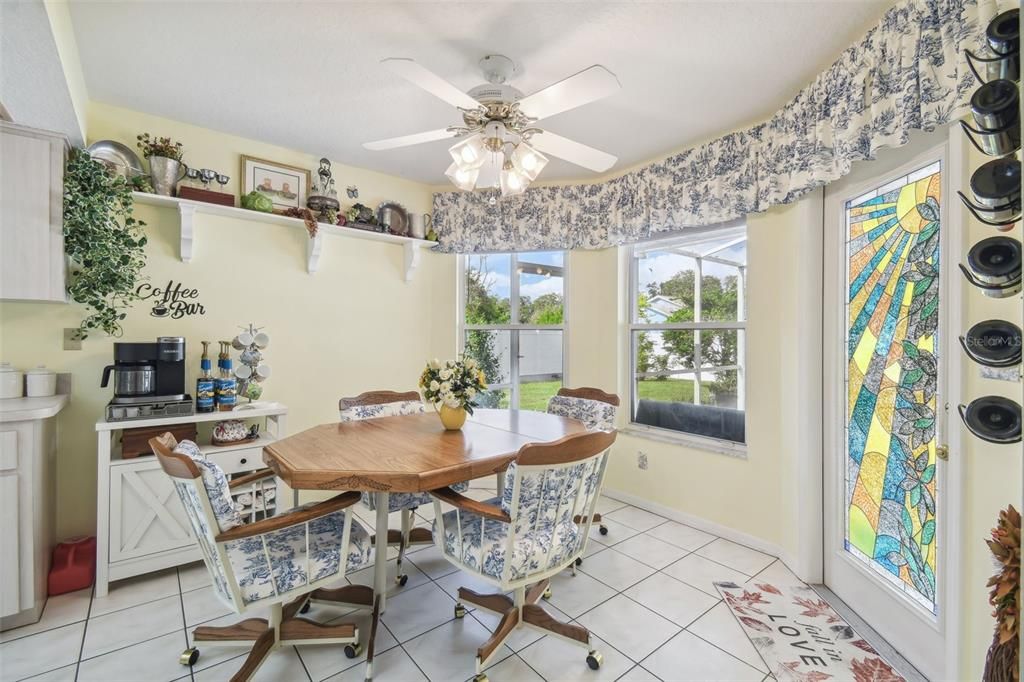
{"x": 159, "y": 146}
{"x": 105, "y": 243}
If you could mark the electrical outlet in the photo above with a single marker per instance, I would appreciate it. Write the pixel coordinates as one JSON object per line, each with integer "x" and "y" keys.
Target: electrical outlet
{"x": 71, "y": 342}
{"x": 641, "y": 460}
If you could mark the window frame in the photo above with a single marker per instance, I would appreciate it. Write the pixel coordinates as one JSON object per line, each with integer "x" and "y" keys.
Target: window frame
{"x": 513, "y": 384}
{"x": 721, "y": 445}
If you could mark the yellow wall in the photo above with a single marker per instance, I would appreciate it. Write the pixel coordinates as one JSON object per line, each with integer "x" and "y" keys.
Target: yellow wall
{"x": 354, "y": 325}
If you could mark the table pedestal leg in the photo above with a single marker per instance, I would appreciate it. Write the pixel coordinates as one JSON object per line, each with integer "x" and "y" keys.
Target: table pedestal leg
{"x": 380, "y": 551}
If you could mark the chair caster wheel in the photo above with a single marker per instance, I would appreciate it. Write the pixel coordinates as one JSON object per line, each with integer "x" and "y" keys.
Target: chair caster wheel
{"x": 579, "y": 561}
{"x": 306, "y": 607}
{"x": 460, "y": 611}
{"x": 603, "y": 529}
{"x": 595, "y": 659}
{"x": 547, "y": 594}
{"x": 189, "y": 656}
{"x": 480, "y": 678}
{"x": 402, "y": 579}
{"x": 353, "y": 650}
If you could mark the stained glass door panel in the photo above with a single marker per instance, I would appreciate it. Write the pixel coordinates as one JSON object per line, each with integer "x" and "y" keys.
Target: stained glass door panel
{"x": 892, "y": 315}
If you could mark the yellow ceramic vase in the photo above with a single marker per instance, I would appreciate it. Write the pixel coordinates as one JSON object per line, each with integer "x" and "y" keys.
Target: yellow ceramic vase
{"x": 452, "y": 417}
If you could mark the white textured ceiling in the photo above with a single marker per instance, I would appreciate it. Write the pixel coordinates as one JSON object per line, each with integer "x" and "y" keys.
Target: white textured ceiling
{"x": 306, "y": 75}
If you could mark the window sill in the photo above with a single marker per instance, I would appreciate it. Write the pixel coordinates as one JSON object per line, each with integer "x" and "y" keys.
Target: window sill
{"x": 722, "y": 447}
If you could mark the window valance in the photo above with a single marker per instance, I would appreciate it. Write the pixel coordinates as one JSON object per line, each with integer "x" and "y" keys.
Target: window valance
{"x": 909, "y": 72}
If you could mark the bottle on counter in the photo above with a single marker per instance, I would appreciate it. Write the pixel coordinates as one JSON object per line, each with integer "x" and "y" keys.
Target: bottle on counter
{"x": 206, "y": 387}
{"x": 227, "y": 385}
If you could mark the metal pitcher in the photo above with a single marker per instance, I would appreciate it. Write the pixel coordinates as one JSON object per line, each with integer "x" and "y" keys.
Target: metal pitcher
{"x": 165, "y": 174}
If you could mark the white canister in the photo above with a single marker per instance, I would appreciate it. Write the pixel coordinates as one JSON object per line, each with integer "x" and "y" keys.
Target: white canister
{"x": 12, "y": 381}
{"x": 40, "y": 382}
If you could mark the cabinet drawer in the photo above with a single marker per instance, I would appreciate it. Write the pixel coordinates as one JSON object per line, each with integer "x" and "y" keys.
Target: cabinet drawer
{"x": 8, "y": 450}
{"x": 235, "y": 461}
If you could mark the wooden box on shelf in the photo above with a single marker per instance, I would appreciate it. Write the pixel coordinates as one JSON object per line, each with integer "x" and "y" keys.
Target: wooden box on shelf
{"x": 135, "y": 442}
{"x": 209, "y": 196}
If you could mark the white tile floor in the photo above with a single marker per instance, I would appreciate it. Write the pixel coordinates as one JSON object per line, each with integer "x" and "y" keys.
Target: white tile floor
{"x": 644, "y": 590}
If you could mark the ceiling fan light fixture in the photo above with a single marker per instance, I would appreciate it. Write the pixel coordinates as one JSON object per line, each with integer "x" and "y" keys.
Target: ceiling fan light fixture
{"x": 463, "y": 178}
{"x": 528, "y": 161}
{"x": 512, "y": 181}
{"x": 469, "y": 153}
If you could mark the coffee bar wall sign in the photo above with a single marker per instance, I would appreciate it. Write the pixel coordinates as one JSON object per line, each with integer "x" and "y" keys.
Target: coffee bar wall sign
{"x": 173, "y": 301}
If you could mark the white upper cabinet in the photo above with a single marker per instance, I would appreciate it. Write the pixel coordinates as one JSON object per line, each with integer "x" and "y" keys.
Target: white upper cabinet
{"x": 31, "y": 214}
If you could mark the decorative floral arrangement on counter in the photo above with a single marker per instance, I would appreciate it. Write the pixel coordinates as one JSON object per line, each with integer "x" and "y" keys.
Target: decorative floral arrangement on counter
{"x": 454, "y": 386}
{"x": 1003, "y": 662}
{"x": 159, "y": 146}
{"x": 104, "y": 242}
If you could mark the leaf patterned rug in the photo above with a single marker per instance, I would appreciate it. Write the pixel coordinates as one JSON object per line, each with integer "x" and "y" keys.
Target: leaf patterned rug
{"x": 801, "y": 638}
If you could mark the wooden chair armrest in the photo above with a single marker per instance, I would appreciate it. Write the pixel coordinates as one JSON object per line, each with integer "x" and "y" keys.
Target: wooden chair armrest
{"x": 250, "y": 477}
{"x": 469, "y": 504}
{"x": 292, "y": 518}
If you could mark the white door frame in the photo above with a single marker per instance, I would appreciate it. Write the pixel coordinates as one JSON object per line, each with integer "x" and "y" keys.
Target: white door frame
{"x": 811, "y": 505}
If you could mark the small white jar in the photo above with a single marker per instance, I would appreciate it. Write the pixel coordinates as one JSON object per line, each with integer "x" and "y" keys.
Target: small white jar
{"x": 40, "y": 382}
{"x": 12, "y": 381}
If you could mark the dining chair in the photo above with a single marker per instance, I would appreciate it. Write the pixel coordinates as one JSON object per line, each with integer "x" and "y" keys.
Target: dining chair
{"x": 537, "y": 529}
{"x": 373, "y": 405}
{"x": 596, "y": 409}
{"x": 279, "y": 562}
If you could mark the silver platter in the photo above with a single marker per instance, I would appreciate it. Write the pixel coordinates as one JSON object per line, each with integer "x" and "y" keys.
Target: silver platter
{"x": 393, "y": 215}
{"x": 117, "y": 157}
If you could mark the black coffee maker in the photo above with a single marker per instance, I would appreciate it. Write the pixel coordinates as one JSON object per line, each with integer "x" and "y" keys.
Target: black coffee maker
{"x": 149, "y": 380}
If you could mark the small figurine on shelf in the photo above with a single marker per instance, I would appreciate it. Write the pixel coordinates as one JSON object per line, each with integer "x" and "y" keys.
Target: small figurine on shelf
{"x": 323, "y": 198}
{"x": 251, "y": 371}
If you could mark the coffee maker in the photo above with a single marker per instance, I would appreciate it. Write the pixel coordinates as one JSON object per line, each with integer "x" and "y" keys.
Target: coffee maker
{"x": 149, "y": 380}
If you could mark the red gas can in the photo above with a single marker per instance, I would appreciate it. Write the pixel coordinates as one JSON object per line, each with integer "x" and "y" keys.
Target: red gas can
{"x": 73, "y": 567}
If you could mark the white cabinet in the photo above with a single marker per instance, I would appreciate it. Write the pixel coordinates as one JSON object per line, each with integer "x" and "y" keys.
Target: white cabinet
{"x": 31, "y": 214}
{"x": 28, "y": 452}
{"x": 141, "y": 525}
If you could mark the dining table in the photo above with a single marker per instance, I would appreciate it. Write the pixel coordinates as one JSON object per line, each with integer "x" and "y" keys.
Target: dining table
{"x": 407, "y": 454}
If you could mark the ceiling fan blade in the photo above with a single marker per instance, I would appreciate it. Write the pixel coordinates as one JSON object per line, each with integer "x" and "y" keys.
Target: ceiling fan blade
{"x": 589, "y": 85}
{"x": 573, "y": 152}
{"x": 409, "y": 140}
{"x": 430, "y": 81}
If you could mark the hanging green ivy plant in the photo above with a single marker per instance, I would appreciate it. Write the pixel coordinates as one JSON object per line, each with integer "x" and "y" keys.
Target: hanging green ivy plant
{"x": 104, "y": 242}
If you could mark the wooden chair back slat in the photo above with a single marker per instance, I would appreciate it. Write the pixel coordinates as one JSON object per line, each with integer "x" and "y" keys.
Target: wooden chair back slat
{"x": 590, "y": 393}
{"x": 173, "y": 464}
{"x": 572, "y": 448}
{"x": 377, "y": 398}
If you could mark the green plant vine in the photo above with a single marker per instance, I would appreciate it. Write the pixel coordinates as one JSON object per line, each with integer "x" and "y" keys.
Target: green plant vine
{"x": 104, "y": 242}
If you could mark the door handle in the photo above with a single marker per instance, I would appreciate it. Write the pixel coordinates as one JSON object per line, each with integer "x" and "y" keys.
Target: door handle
{"x": 942, "y": 452}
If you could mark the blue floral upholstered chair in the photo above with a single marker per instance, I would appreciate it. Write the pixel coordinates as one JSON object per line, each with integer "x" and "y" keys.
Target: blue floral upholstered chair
{"x": 596, "y": 409}
{"x": 373, "y": 405}
{"x": 538, "y": 529}
{"x": 279, "y": 562}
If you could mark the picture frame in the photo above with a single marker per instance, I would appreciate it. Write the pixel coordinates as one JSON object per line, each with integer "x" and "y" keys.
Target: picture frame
{"x": 286, "y": 186}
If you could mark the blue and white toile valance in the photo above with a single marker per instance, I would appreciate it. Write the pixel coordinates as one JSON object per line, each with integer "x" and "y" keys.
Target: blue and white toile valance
{"x": 907, "y": 73}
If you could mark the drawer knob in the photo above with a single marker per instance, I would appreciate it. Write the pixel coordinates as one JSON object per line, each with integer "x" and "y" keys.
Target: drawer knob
{"x": 242, "y": 461}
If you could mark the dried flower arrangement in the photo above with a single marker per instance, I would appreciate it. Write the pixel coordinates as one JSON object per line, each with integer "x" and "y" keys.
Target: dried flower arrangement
{"x": 159, "y": 146}
{"x": 1003, "y": 662}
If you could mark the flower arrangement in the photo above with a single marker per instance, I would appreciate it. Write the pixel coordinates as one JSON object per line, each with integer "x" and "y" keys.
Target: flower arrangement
{"x": 1002, "y": 663}
{"x": 159, "y": 146}
{"x": 455, "y": 384}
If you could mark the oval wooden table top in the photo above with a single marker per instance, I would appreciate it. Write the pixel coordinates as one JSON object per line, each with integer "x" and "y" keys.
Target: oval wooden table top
{"x": 411, "y": 453}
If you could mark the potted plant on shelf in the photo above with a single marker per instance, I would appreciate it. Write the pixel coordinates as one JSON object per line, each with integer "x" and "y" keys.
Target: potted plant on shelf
{"x": 165, "y": 166}
{"x": 452, "y": 388}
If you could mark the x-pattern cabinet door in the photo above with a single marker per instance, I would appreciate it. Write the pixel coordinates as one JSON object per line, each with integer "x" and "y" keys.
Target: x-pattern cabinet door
{"x": 145, "y": 513}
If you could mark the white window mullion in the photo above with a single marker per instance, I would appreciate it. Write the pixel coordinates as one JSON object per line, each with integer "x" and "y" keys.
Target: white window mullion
{"x": 697, "y": 359}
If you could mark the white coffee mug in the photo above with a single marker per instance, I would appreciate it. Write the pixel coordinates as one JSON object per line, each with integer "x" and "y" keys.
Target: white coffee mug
{"x": 243, "y": 371}
{"x": 242, "y": 341}
{"x": 262, "y": 340}
{"x": 262, "y": 372}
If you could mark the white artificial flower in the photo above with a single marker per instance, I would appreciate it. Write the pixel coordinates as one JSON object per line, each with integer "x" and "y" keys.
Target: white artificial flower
{"x": 434, "y": 385}
{"x": 471, "y": 363}
{"x": 452, "y": 401}
{"x": 446, "y": 387}
{"x": 435, "y": 364}
{"x": 470, "y": 393}
{"x": 446, "y": 374}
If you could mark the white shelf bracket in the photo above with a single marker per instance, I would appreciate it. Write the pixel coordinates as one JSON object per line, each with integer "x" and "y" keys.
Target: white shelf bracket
{"x": 412, "y": 259}
{"x": 186, "y": 214}
{"x": 314, "y": 247}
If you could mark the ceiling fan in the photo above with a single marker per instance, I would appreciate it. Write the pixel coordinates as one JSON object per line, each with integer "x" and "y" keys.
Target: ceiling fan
{"x": 500, "y": 145}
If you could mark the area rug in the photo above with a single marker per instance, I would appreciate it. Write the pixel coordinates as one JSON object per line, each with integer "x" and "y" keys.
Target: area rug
{"x": 801, "y": 638}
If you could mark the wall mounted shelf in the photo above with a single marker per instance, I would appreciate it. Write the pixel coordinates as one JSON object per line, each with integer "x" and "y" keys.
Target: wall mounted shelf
{"x": 187, "y": 211}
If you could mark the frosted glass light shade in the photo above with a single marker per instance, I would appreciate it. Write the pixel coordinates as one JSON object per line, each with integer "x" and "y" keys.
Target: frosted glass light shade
{"x": 463, "y": 178}
{"x": 528, "y": 161}
{"x": 512, "y": 182}
{"x": 469, "y": 153}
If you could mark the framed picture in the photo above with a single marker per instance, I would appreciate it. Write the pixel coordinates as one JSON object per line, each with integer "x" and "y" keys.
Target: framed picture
{"x": 286, "y": 186}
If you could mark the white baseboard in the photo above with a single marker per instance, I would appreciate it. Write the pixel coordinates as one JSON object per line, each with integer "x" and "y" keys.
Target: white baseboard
{"x": 705, "y": 525}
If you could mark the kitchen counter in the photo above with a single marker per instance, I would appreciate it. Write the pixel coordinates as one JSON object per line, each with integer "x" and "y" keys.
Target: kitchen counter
{"x": 27, "y": 409}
